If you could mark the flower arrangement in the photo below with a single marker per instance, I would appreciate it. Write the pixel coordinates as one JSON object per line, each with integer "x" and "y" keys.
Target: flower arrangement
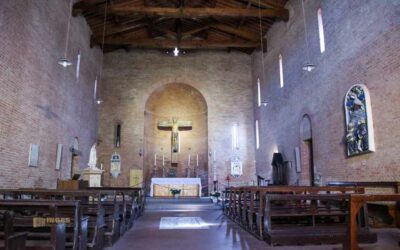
{"x": 175, "y": 191}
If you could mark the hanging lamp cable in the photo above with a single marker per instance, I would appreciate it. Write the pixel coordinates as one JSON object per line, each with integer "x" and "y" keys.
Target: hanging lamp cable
{"x": 103, "y": 38}
{"x": 261, "y": 41}
{"x": 68, "y": 28}
{"x": 305, "y": 31}
{"x": 99, "y": 100}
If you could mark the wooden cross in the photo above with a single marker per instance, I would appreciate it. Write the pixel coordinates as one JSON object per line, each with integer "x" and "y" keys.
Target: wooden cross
{"x": 174, "y": 126}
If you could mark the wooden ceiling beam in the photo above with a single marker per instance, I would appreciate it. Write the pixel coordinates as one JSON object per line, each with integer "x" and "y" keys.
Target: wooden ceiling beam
{"x": 192, "y": 32}
{"x": 184, "y": 44}
{"x": 168, "y": 33}
{"x": 187, "y": 12}
{"x": 265, "y": 3}
{"x": 237, "y": 32}
{"x": 84, "y": 5}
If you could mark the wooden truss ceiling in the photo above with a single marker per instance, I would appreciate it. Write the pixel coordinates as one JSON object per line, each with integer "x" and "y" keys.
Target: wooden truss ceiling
{"x": 187, "y": 24}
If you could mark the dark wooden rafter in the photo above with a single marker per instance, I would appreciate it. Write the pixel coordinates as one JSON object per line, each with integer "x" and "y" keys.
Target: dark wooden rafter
{"x": 188, "y": 12}
{"x": 166, "y": 24}
{"x": 185, "y": 44}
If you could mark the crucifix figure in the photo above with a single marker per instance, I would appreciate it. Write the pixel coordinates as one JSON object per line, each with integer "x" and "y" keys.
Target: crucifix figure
{"x": 174, "y": 126}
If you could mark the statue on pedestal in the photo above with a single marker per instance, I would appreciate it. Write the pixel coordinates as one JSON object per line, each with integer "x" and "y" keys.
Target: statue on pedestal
{"x": 92, "y": 174}
{"x": 93, "y": 157}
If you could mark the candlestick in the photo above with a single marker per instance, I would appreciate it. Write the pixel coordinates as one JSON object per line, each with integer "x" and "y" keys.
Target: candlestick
{"x": 155, "y": 159}
{"x": 197, "y": 160}
{"x": 215, "y": 172}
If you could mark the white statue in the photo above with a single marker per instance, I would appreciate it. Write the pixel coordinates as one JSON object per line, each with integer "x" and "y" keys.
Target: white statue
{"x": 93, "y": 157}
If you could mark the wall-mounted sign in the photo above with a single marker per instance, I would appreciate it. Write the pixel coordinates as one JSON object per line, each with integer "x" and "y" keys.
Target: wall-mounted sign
{"x": 236, "y": 166}
{"x": 115, "y": 168}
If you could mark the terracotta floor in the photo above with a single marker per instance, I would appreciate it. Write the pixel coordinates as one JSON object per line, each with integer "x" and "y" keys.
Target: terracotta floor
{"x": 221, "y": 233}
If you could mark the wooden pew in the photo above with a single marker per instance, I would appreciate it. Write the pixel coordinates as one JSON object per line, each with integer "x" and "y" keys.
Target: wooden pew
{"x": 30, "y": 216}
{"x": 135, "y": 200}
{"x": 309, "y": 219}
{"x": 99, "y": 220}
{"x": 375, "y": 187}
{"x": 246, "y": 205}
{"x": 8, "y": 238}
{"x": 110, "y": 211}
{"x": 357, "y": 201}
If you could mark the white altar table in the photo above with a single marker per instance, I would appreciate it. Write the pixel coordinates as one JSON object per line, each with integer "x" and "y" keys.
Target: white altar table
{"x": 190, "y": 187}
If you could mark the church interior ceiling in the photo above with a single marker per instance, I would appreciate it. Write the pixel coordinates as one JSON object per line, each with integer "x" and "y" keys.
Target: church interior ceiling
{"x": 187, "y": 25}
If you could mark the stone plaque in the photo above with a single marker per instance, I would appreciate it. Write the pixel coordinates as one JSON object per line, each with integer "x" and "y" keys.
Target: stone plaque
{"x": 59, "y": 156}
{"x": 297, "y": 158}
{"x": 34, "y": 155}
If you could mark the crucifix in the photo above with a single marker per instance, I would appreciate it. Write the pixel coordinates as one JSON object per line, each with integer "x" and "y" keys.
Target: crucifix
{"x": 174, "y": 126}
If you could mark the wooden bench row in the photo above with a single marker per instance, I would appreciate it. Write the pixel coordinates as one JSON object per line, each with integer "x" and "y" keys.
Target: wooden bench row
{"x": 284, "y": 215}
{"x": 84, "y": 219}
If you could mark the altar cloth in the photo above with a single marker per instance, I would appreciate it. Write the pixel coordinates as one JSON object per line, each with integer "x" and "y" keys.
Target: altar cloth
{"x": 178, "y": 183}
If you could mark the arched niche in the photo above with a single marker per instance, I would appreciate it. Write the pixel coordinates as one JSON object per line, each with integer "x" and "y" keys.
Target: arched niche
{"x": 359, "y": 124}
{"x": 306, "y": 130}
{"x": 184, "y": 103}
{"x": 306, "y": 157}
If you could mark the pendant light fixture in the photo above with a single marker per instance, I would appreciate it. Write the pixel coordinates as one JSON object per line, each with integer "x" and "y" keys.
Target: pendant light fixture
{"x": 64, "y": 60}
{"x": 98, "y": 99}
{"x": 308, "y": 66}
{"x": 176, "y": 51}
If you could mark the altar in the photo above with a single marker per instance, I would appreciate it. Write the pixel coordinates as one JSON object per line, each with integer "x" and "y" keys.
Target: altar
{"x": 190, "y": 187}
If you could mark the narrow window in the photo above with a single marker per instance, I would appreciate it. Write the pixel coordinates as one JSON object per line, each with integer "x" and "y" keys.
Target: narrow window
{"x": 78, "y": 65}
{"x": 321, "y": 31}
{"x": 117, "y": 140}
{"x": 257, "y": 136}
{"x": 235, "y": 137}
{"x": 258, "y": 92}
{"x": 95, "y": 89}
{"x": 280, "y": 70}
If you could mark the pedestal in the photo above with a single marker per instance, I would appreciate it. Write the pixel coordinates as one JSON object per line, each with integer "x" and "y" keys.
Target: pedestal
{"x": 93, "y": 176}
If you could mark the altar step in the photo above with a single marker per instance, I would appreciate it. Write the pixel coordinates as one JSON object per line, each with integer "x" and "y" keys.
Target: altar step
{"x": 181, "y": 204}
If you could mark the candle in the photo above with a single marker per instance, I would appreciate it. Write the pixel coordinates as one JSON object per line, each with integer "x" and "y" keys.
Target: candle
{"x": 197, "y": 160}
{"x": 163, "y": 160}
{"x": 215, "y": 155}
{"x": 215, "y": 172}
{"x": 189, "y": 160}
{"x": 155, "y": 159}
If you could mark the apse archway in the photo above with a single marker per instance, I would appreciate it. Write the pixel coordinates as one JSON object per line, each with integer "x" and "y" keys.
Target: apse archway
{"x": 183, "y": 103}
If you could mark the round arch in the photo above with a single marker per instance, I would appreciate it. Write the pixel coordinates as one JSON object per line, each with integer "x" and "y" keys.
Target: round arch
{"x": 183, "y": 103}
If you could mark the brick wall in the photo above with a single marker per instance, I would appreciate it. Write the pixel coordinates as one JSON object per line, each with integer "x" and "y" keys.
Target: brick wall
{"x": 223, "y": 79}
{"x": 41, "y": 102}
{"x": 362, "y": 47}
